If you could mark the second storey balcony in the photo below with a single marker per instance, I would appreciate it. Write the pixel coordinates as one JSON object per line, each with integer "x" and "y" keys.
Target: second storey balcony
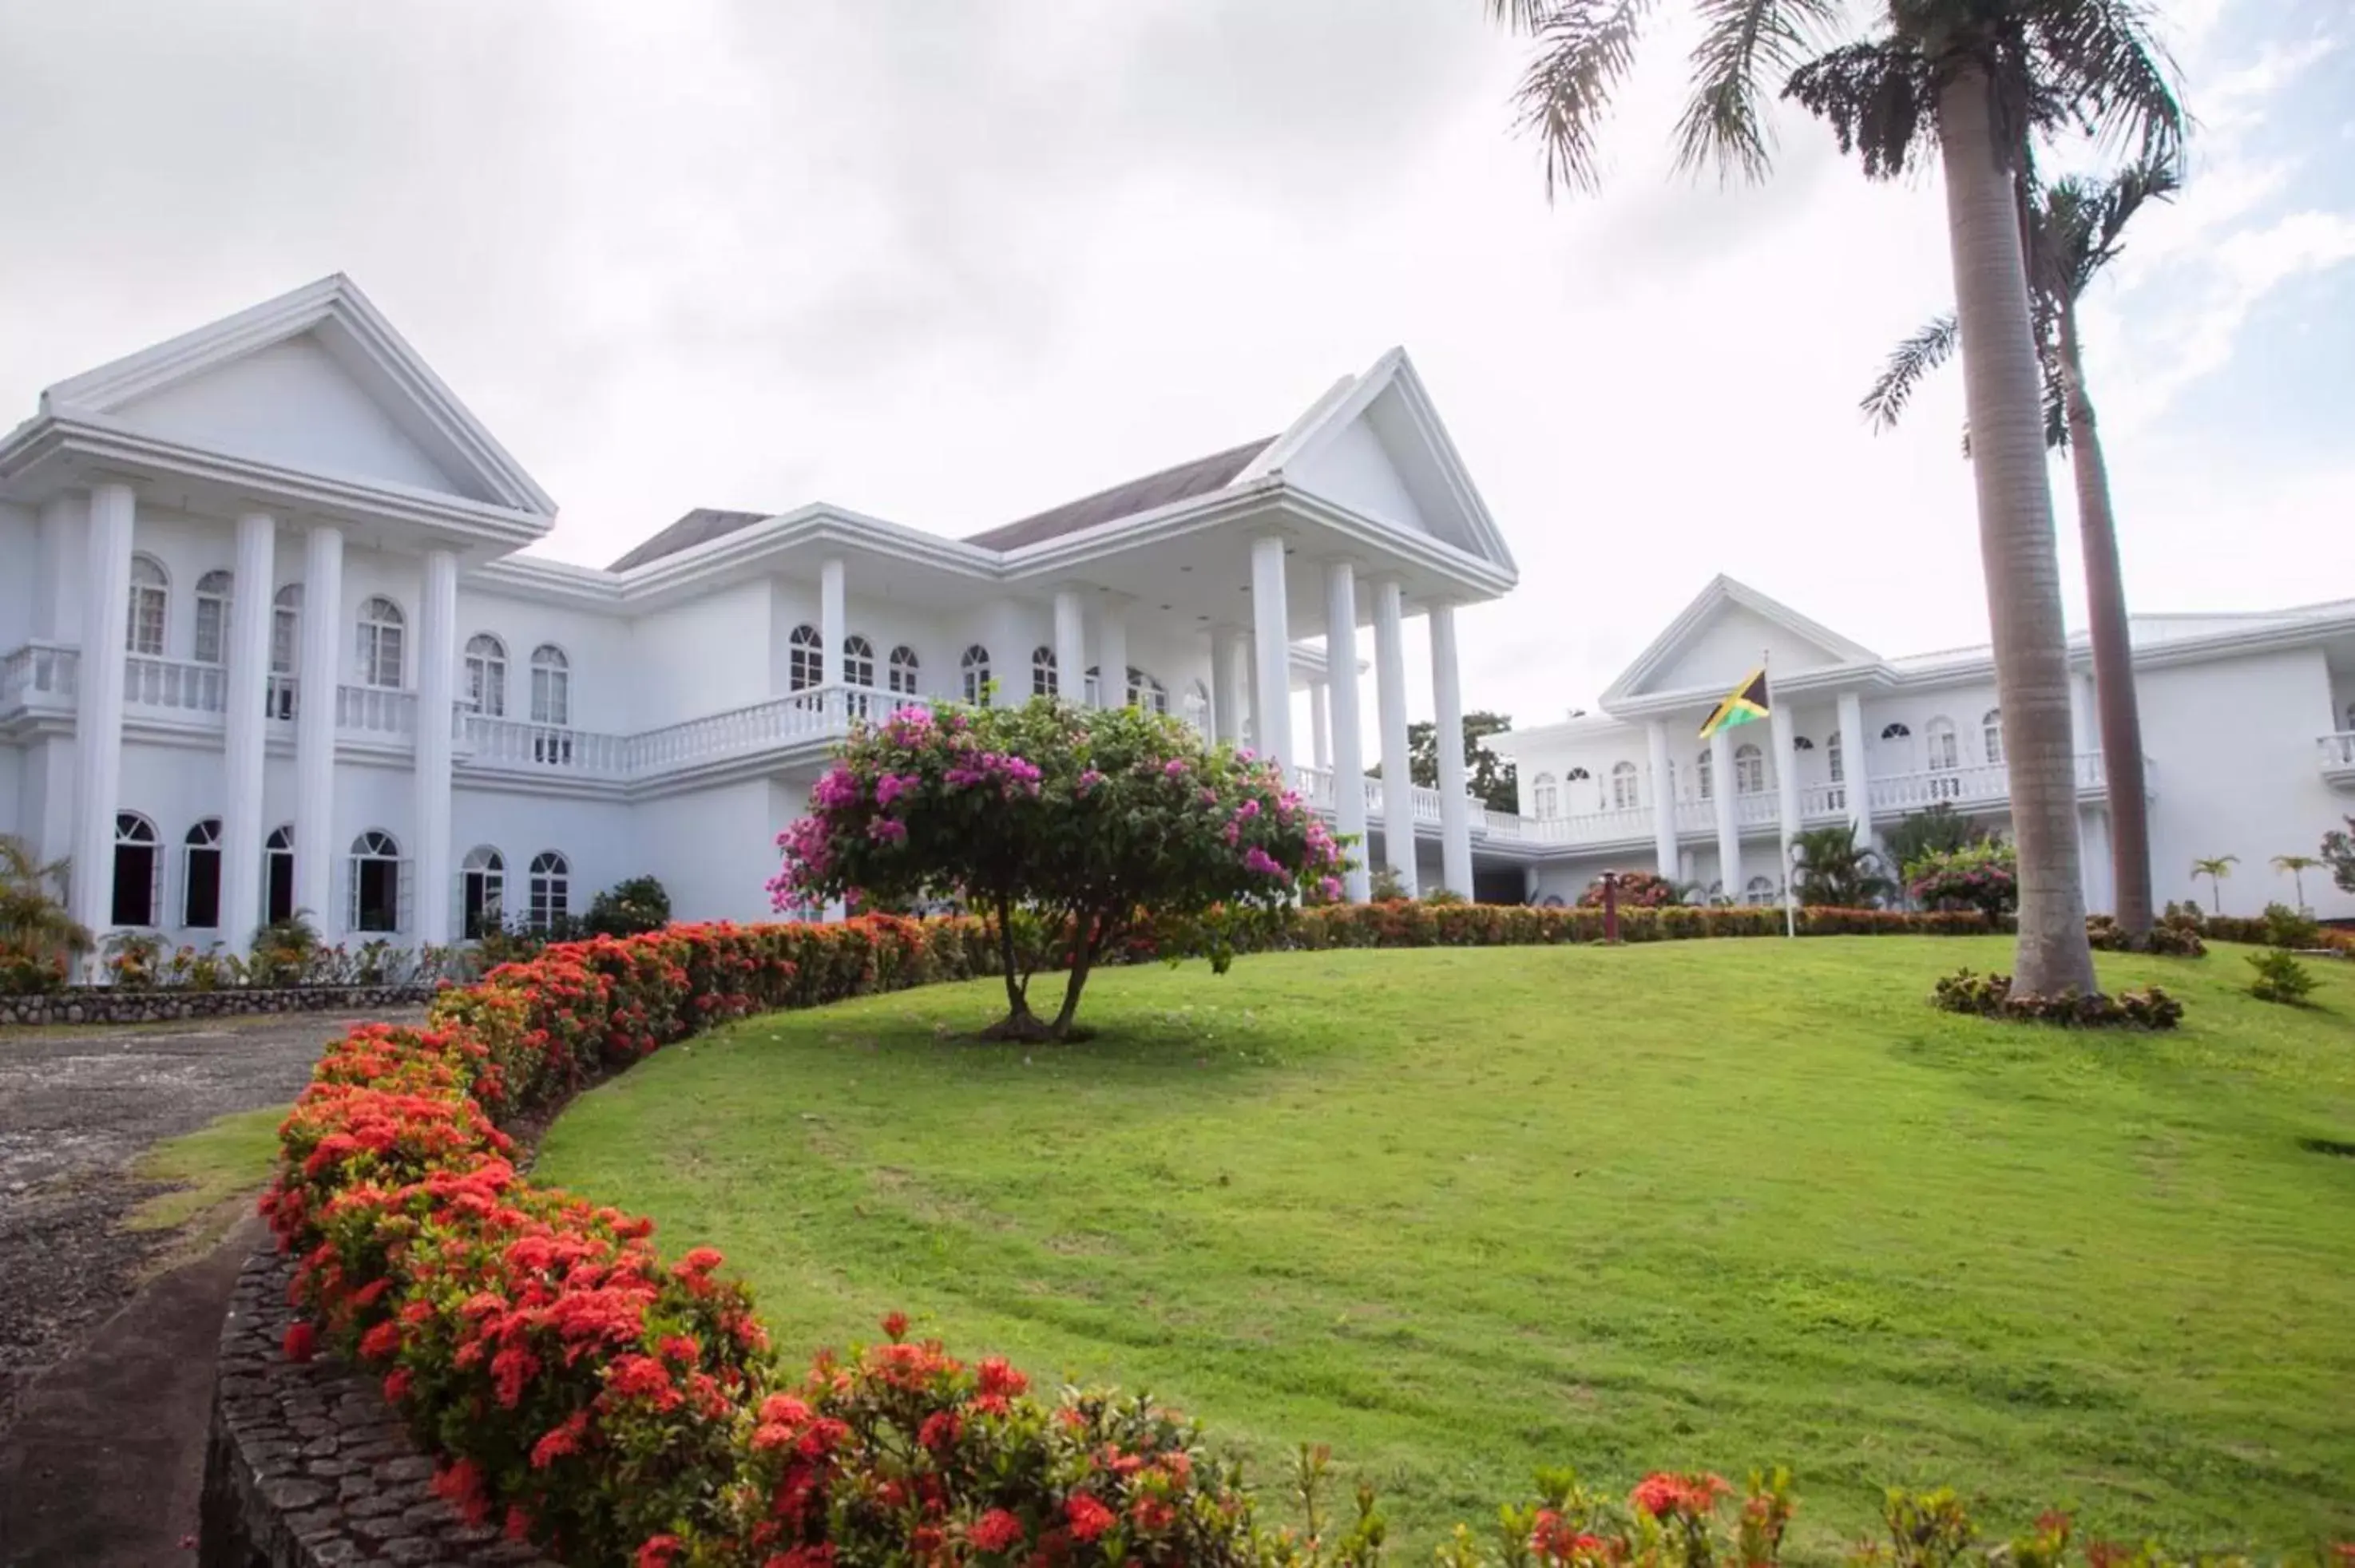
{"x": 2335, "y": 752}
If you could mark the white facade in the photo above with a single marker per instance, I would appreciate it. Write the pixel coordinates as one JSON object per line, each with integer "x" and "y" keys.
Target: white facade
{"x": 2248, "y": 724}
{"x": 267, "y": 642}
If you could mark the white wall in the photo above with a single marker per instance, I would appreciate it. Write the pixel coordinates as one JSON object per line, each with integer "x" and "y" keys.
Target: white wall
{"x": 596, "y": 648}
{"x": 1728, "y": 646}
{"x": 715, "y": 849}
{"x": 597, "y": 838}
{"x": 2238, "y": 775}
{"x": 20, "y": 582}
{"x": 1353, "y": 469}
{"x": 704, "y": 657}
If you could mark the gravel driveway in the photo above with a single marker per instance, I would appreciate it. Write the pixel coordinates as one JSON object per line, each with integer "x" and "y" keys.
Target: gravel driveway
{"x": 76, "y": 1106}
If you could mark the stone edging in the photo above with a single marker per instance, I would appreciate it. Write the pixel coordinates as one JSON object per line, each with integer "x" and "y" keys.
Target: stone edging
{"x": 111, "y": 1004}
{"x": 306, "y": 1466}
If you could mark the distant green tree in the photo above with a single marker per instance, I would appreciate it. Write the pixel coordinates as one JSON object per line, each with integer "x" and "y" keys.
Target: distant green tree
{"x": 1832, "y": 871}
{"x": 1941, "y": 829}
{"x": 1489, "y": 777}
{"x": 2215, "y": 868}
{"x": 2339, "y": 854}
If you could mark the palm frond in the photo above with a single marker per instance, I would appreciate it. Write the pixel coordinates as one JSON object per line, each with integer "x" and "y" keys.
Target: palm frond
{"x": 1585, "y": 48}
{"x": 2101, "y": 59}
{"x": 1745, "y": 43}
{"x": 2056, "y": 394}
{"x": 1918, "y": 355}
{"x": 1879, "y": 98}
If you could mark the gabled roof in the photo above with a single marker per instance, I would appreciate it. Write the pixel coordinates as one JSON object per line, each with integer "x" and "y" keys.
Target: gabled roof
{"x": 1389, "y": 397}
{"x": 1182, "y": 482}
{"x": 350, "y": 328}
{"x": 703, "y": 524}
{"x": 1724, "y": 593}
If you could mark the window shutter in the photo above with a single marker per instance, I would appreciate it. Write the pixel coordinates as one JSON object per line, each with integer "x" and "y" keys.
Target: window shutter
{"x": 457, "y": 905}
{"x": 403, "y": 902}
{"x": 350, "y": 872}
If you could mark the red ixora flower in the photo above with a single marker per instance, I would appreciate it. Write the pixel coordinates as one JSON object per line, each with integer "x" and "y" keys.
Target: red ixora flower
{"x": 1088, "y": 1518}
{"x": 658, "y": 1551}
{"x": 302, "y": 1341}
{"x": 1662, "y": 1493}
{"x": 997, "y": 1531}
{"x": 895, "y": 1326}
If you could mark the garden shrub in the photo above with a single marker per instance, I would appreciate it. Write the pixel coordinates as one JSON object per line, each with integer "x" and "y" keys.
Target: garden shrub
{"x": 609, "y": 1406}
{"x": 2288, "y": 927}
{"x": 2103, "y": 933}
{"x": 1982, "y": 876}
{"x": 1637, "y": 890}
{"x": 1990, "y": 996}
{"x": 630, "y": 906}
{"x": 24, "y": 973}
{"x": 2280, "y": 977}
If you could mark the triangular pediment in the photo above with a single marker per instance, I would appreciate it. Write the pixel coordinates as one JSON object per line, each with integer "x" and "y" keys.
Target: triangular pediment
{"x": 1724, "y": 634}
{"x": 1375, "y": 445}
{"x": 317, "y": 381}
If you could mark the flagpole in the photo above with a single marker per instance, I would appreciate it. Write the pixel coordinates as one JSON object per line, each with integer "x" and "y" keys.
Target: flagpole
{"x": 1790, "y": 904}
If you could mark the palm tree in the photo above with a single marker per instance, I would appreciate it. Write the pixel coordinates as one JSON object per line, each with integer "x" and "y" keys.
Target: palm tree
{"x": 2215, "y": 869}
{"x": 1832, "y": 871}
{"x": 2074, "y": 229}
{"x": 33, "y": 919}
{"x": 1971, "y": 81}
{"x": 2297, "y": 865}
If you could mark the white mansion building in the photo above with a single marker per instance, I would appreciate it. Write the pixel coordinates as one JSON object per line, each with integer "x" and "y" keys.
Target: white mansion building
{"x": 268, "y": 644}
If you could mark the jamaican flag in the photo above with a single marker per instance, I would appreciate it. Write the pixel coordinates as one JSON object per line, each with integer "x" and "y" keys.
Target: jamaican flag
{"x": 1746, "y": 704}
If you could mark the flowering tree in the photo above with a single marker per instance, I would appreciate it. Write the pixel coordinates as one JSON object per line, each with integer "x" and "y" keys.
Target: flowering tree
{"x": 1637, "y": 890}
{"x": 1985, "y": 878}
{"x": 1096, "y": 824}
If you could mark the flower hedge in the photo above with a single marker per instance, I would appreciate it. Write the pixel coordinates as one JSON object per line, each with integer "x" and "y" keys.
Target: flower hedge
{"x": 611, "y": 1405}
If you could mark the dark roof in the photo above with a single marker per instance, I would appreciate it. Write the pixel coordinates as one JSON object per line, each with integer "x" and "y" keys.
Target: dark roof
{"x": 703, "y": 523}
{"x": 1182, "y": 482}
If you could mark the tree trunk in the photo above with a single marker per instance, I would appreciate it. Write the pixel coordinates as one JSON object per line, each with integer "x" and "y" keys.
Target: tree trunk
{"x": 2114, "y": 676}
{"x": 1019, "y": 1022}
{"x": 1083, "y": 961}
{"x": 2003, "y": 390}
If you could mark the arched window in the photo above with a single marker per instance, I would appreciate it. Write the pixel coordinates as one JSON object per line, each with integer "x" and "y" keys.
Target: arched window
{"x": 551, "y": 883}
{"x": 150, "y": 589}
{"x": 382, "y": 630}
{"x": 804, "y": 659}
{"x": 486, "y": 676}
{"x": 974, "y": 668}
{"x": 278, "y": 874}
{"x": 1145, "y": 691}
{"x": 902, "y": 670}
{"x": 1894, "y": 732}
{"x": 1835, "y": 757}
{"x": 1706, "y": 772}
{"x": 1991, "y": 737}
{"x": 857, "y": 662}
{"x": 138, "y": 871}
{"x": 1575, "y": 775}
{"x": 212, "y": 618}
{"x": 1801, "y": 743}
{"x": 1940, "y": 746}
{"x": 1197, "y": 705}
{"x": 1545, "y": 797}
{"x": 1760, "y": 891}
{"x": 482, "y": 892}
{"x": 1623, "y": 785}
{"x": 1749, "y": 770}
{"x": 551, "y": 685}
{"x": 1046, "y": 681}
{"x": 376, "y": 883}
{"x": 200, "y": 871}
{"x": 285, "y": 634}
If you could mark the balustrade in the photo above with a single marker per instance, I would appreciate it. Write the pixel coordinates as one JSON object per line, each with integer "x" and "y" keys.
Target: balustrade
{"x": 38, "y": 674}
{"x": 376, "y": 711}
{"x": 174, "y": 684}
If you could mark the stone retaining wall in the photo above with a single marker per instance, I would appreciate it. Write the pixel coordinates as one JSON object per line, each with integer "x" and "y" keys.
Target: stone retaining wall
{"x": 112, "y": 1004}
{"x": 308, "y": 1467}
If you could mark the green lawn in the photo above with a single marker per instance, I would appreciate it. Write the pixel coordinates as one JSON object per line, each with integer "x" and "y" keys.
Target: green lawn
{"x": 1459, "y": 1213}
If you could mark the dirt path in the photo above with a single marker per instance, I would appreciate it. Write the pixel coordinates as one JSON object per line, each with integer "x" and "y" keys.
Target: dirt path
{"x": 76, "y": 1107}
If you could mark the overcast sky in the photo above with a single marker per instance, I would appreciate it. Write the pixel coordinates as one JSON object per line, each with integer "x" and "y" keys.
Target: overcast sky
{"x": 949, "y": 262}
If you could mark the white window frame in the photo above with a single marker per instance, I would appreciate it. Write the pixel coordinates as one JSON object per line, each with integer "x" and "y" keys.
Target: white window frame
{"x": 551, "y": 686}
{"x": 376, "y": 847}
{"x": 804, "y": 659}
{"x": 902, "y": 670}
{"x": 486, "y": 868}
{"x": 1147, "y": 692}
{"x": 485, "y": 690}
{"x": 548, "y": 889}
{"x": 213, "y": 599}
{"x": 1942, "y": 747}
{"x": 1046, "y": 680}
{"x": 1991, "y": 737}
{"x": 134, "y": 830}
{"x": 204, "y": 837}
{"x": 857, "y": 662}
{"x": 1706, "y": 771}
{"x": 381, "y": 648}
{"x": 1749, "y": 770}
{"x": 280, "y": 842}
{"x": 973, "y": 675}
{"x": 1545, "y": 797}
{"x": 1626, "y": 787}
{"x": 151, "y": 608}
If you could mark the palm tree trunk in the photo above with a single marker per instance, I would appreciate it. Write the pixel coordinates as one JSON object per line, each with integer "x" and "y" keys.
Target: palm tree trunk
{"x": 2003, "y": 392}
{"x": 2114, "y": 676}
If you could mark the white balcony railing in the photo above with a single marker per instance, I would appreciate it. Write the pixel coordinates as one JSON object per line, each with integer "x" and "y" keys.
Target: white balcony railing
{"x": 376, "y": 711}
{"x": 176, "y": 685}
{"x": 555, "y": 748}
{"x": 38, "y": 674}
{"x": 2337, "y": 755}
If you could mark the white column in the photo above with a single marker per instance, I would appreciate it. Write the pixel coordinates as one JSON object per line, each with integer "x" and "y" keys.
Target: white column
{"x": 1854, "y": 776}
{"x": 315, "y": 848}
{"x": 1787, "y": 785}
{"x": 1447, "y": 704}
{"x": 1112, "y": 654}
{"x": 97, "y": 712}
{"x": 244, "y": 751}
{"x": 437, "y": 690}
{"x": 1348, "y": 737}
{"x": 1664, "y": 800}
{"x": 1320, "y": 727}
{"x": 1227, "y": 683}
{"x": 1729, "y": 826}
{"x": 1271, "y": 651}
{"x": 1071, "y": 647}
{"x": 832, "y": 617}
{"x": 1389, "y": 693}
